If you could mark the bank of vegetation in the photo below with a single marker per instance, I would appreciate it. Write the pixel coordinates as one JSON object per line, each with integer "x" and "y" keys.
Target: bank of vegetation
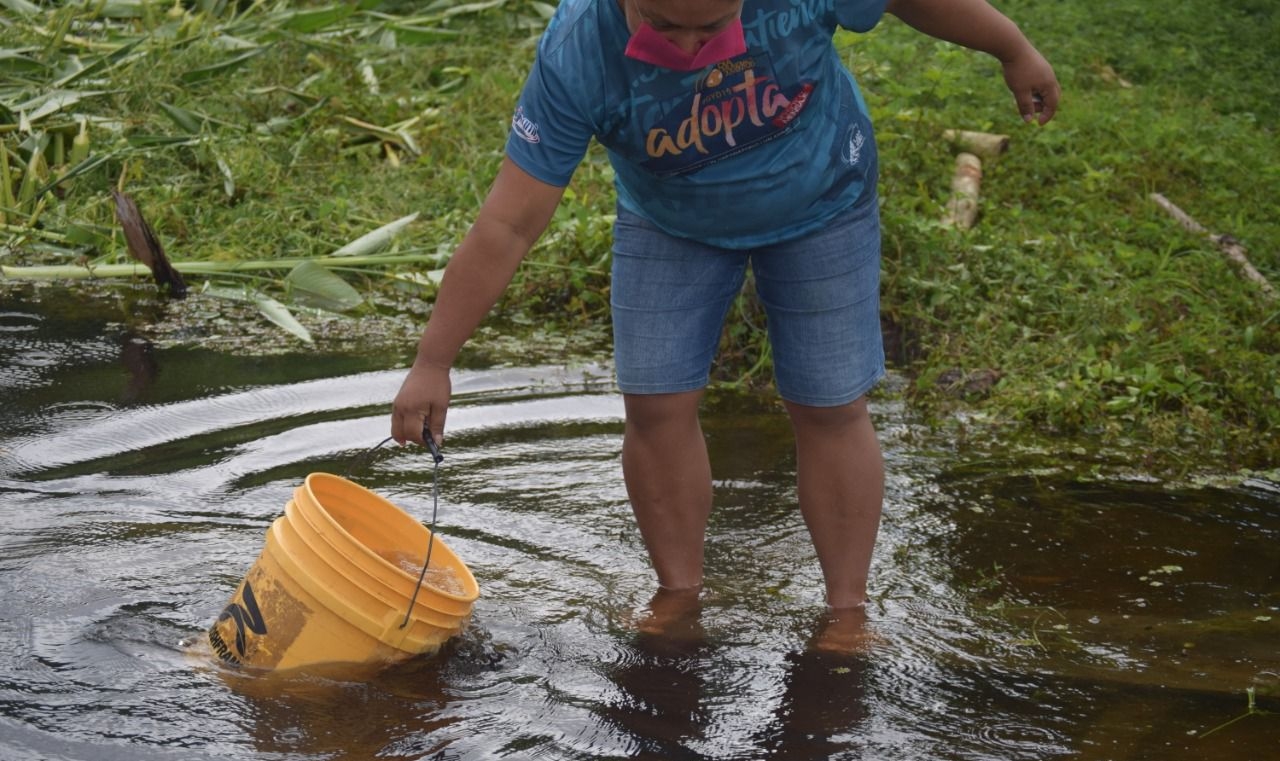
{"x": 329, "y": 155}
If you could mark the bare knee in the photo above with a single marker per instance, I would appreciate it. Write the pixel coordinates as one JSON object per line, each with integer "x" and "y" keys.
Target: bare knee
{"x": 820, "y": 419}
{"x": 659, "y": 414}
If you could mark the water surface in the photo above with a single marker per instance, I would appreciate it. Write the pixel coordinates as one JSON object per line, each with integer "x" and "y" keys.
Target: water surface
{"x": 1022, "y": 611}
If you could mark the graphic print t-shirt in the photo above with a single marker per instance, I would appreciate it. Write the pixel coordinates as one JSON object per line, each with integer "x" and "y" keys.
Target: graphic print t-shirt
{"x": 761, "y": 148}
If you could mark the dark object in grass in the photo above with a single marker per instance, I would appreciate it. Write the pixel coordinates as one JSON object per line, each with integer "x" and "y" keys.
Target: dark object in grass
{"x": 145, "y": 247}
{"x": 969, "y": 385}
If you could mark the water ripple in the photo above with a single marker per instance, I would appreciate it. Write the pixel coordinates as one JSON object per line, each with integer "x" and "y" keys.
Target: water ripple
{"x": 107, "y": 436}
{"x": 126, "y": 531}
{"x": 19, "y": 322}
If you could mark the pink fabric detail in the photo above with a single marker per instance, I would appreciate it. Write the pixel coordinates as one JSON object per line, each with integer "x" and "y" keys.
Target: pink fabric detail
{"x": 648, "y": 45}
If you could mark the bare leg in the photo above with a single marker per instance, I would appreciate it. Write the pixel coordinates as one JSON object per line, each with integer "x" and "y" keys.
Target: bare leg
{"x": 668, "y": 475}
{"x": 840, "y": 477}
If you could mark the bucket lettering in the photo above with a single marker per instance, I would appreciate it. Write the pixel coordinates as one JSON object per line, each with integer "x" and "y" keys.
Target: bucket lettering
{"x": 246, "y": 616}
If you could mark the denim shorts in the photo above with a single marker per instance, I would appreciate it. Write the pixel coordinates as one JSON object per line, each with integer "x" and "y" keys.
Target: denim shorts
{"x": 821, "y": 294}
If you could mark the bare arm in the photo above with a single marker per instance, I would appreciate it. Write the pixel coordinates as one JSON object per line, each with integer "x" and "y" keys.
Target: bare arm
{"x": 977, "y": 25}
{"x": 512, "y": 217}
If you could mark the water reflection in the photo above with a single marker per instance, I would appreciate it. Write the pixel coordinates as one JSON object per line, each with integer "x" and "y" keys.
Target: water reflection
{"x": 670, "y": 701}
{"x": 345, "y": 715}
{"x": 1021, "y": 612}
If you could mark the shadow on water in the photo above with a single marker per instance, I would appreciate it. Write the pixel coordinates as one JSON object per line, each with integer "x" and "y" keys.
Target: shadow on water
{"x": 1022, "y": 612}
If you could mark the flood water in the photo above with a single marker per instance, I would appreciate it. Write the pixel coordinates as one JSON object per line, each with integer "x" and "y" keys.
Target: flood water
{"x": 1025, "y": 608}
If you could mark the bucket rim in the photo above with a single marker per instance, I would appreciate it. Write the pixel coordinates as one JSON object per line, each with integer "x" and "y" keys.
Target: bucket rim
{"x": 466, "y": 576}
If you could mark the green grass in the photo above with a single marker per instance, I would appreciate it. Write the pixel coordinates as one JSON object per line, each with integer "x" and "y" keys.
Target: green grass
{"x": 1075, "y": 307}
{"x": 1098, "y": 313}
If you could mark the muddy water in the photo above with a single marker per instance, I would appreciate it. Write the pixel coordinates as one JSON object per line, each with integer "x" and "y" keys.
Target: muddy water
{"x": 1022, "y": 611}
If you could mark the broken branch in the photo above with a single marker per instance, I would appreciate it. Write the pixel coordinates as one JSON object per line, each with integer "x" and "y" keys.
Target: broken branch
{"x": 984, "y": 145}
{"x": 1228, "y": 244}
{"x": 962, "y": 208}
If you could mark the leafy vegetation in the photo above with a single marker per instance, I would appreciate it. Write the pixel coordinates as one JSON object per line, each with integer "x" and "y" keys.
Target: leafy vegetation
{"x": 259, "y": 135}
{"x": 252, "y": 137}
{"x": 1096, "y": 311}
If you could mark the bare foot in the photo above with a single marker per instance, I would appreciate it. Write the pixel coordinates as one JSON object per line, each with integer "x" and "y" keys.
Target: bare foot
{"x": 845, "y": 631}
{"x": 673, "y": 614}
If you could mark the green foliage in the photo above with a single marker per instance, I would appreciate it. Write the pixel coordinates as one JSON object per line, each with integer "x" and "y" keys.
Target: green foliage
{"x": 1095, "y": 310}
{"x": 276, "y": 130}
{"x": 269, "y": 131}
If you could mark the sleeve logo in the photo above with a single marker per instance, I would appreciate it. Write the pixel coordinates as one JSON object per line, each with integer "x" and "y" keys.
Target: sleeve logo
{"x": 524, "y": 127}
{"x": 852, "y": 152}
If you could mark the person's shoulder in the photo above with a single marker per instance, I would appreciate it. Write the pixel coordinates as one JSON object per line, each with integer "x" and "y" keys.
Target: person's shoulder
{"x": 574, "y": 22}
{"x": 859, "y": 15}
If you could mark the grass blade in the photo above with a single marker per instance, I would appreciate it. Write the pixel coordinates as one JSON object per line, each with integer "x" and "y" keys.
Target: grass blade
{"x": 466, "y": 8}
{"x": 187, "y": 121}
{"x": 101, "y": 64}
{"x": 314, "y": 20}
{"x": 123, "y": 9}
{"x": 273, "y": 310}
{"x": 21, "y": 7}
{"x": 323, "y": 288}
{"x": 277, "y": 313}
{"x": 15, "y": 61}
{"x": 52, "y": 102}
{"x": 377, "y": 240}
{"x": 85, "y": 166}
{"x": 209, "y": 72}
{"x": 409, "y": 34}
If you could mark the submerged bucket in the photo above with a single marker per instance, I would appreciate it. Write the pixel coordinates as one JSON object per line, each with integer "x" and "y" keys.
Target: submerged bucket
{"x": 334, "y": 583}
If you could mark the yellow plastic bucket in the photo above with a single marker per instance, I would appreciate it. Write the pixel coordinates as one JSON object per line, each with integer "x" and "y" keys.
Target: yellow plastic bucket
{"x": 334, "y": 583}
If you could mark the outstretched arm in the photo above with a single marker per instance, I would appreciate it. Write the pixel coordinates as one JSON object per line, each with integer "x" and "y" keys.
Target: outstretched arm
{"x": 975, "y": 24}
{"x": 511, "y": 219}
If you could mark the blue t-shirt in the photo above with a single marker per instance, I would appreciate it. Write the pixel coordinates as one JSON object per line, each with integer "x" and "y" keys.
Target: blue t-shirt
{"x": 758, "y": 149}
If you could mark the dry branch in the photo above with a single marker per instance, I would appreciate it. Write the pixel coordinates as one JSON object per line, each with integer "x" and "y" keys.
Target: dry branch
{"x": 962, "y": 208}
{"x": 984, "y": 145}
{"x": 1228, "y": 244}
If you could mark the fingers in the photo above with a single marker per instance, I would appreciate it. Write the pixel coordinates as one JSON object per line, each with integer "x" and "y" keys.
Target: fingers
{"x": 1032, "y": 108}
{"x": 1037, "y": 104}
{"x": 1028, "y": 105}
{"x": 1035, "y": 88}
{"x": 1044, "y": 104}
{"x": 413, "y": 426}
{"x": 421, "y": 406}
{"x": 433, "y": 425}
{"x": 406, "y": 425}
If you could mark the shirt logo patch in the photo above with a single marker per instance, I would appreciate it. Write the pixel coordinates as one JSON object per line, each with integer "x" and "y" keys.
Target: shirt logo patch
{"x": 524, "y": 127}
{"x": 738, "y": 105}
{"x": 853, "y": 146}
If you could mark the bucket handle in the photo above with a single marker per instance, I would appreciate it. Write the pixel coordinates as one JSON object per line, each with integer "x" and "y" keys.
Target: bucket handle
{"x": 436, "y": 459}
